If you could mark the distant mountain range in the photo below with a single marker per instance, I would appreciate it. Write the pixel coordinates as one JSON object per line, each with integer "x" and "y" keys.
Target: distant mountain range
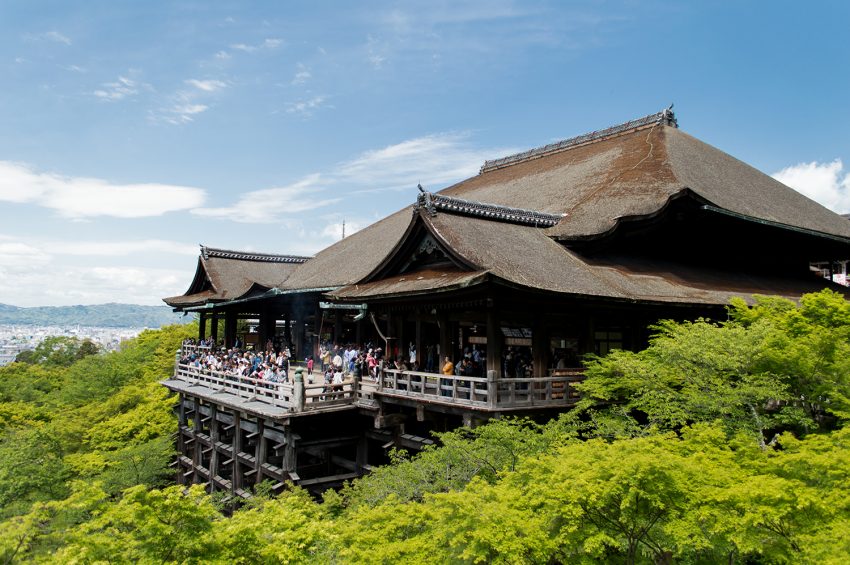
{"x": 104, "y": 315}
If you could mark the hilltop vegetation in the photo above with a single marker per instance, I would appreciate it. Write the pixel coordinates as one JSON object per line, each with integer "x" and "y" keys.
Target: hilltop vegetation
{"x": 99, "y": 315}
{"x": 722, "y": 442}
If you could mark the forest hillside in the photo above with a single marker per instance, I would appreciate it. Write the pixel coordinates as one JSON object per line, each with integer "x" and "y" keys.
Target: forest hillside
{"x": 722, "y": 442}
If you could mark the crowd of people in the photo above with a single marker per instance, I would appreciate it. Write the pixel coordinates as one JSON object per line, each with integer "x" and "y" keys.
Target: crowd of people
{"x": 269, "y": 365}
{"x": 339, "y": 363}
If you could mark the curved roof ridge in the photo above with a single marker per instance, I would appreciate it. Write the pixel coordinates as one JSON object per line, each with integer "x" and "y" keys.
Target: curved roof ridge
{"x": 433, "y": 202}
{"x": 207, "y": 252}
{"x": 666, "y": 117}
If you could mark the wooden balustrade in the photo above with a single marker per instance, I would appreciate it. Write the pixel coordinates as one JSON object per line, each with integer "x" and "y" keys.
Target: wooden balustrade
{"x": 477, "y": 392}
{"x": 188, "y": 348}
{"x": 279, "y": 394}
{"x": 490, "y": 392}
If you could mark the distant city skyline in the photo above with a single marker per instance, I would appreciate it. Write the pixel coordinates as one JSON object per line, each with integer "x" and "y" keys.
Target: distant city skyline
{"x": 132, "y": 132}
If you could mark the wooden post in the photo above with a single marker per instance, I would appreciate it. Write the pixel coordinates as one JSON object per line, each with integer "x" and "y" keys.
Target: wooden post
{"x": 260, "y": 451}
{"x": 287, "y": 330}
{"x": 362, "y": 453}
{"x": 298, "y": 392}
{"x": 236, "y": 475}
{"x": 214, "y": 327}
{"x": 289, "y": 452}
{"x": 417, "y": 342}
{"x": 539, "y": 348}
{"x": 445, "y": 341}
{"x": 214, "y": 456}
{"x": 230, "y": 325}
{"x": 202, "y": 326}
{"x": 197, "y": 455}
{"x": 317, "y": 329}
{"x": 494, "y": 341}
{"x": 298, "y": 340}
{"x": 338, "y": 327}
{"x": 492, "y": 389}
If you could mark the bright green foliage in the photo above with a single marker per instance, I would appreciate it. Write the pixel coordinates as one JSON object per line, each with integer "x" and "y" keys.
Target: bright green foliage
{"x": 659, "y": 465}
{"x": 289, "y": 529}
{"x": 772, "y": 367}
{"x": 59, "y": 351}
{"x": 163, "y": 526}
{"x": 463, "y": 454}
{"x": 103, "y": 417}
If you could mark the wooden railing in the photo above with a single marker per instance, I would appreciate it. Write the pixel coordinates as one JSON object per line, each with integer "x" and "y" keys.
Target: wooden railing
{"x": 295, "y": 396}
{"x": 490, "y": 392}
{"x": 189, "y": 348}
{"x": 443, "y": 389}
{"x": 485, "y": 393}
{"x": 277, "y": 394}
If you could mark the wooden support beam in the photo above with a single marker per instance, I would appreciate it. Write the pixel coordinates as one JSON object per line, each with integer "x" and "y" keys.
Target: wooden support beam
{"x": 329, "y": 479}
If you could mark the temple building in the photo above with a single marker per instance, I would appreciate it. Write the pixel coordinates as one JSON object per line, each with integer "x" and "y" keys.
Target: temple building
{"x": 543, "y": 257}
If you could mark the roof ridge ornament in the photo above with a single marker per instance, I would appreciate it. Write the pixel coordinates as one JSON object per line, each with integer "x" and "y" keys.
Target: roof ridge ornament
{"x": 664, "y": 117}
{"x": 207, "y": 252}
{"x": 431, "y": 203}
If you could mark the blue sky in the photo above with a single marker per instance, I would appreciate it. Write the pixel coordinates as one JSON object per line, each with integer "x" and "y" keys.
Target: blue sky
{"x": 132, "y": 131}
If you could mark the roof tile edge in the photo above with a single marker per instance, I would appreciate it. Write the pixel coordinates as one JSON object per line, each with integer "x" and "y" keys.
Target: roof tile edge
{"x": 207, "y": 252}
{"x": 431, "y": 203}
{"x": 665, "y": 117}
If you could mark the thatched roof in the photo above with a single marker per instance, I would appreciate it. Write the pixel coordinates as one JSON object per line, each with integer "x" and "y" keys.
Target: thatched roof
{"x": 525, "y": 257}
{"x": 515, "y": 221}
{"x": 635, "y": 173}
{"x": 223, "y": 275}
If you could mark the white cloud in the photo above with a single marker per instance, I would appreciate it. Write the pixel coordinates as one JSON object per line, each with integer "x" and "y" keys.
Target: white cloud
{"x": 269, "y": 43}
{"x": 206, "y": 85}
{"x": 24, "y": 285}
{"x": 23, "y": 264}
{"x": 305, "y": 108}
{"x": 826, "y": 183}
{"x": 223, "y": 55}
{"x": 80, "y": 197}
{"x": 302, "y": 74}
{"x": 120, "y": 248}
{"x": 118, "y": 90}
{"x": 53, "y": 36}
{"x": 434, "y": 160}
{"x": 273, "y": 204}
{"x": 74, "y": 69}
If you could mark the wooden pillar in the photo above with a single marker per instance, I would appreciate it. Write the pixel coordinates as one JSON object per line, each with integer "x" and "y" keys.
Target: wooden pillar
{"x": 417, "y": 342}
{"x": 260, "y": 450}
{"x": 494, "y": 341}
{"x": 338, "y": 327}
{"x": 539, "y": 348}
{"x": 214, "y": 438}
{"x": 236, "y": 475}
{"x": 214, "y": 327}
{"x": 362, "y": 454}
{"x": 399, "y": 333}
{"x": 197, "y": 455}
{"x": 445, "y": 341}
{"x": 261, "y": 331}
{"x": 298, "y": 339}
{"x": 317, "y": 330}
{"x": 202, "y": 326}
{"x": 287, "y": 329}
{"x": 230, "y": 325}
{"x": 290, "y": 460}
{"x": 182, "y": 423}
